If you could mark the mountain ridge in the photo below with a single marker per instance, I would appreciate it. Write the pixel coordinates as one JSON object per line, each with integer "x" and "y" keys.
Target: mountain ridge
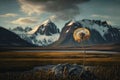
{"x": 43, "y": 34}
{"x": 101, "y": 33}
{"x": 47, "y": 33}
{"x": 10, "y": 39}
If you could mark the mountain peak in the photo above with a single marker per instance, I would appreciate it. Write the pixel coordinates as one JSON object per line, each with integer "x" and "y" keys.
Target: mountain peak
{"x": 46, "y": 22}
{"x": 99, "y": 22}
{"x": 71, "y": 23}
{"x": 101, "y": 32}
{"x": 46, "y": 28}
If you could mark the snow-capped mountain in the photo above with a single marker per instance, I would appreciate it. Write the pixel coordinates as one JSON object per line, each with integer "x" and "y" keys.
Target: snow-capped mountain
{"x": 43, "y": 40}
{"x": 43, "y": 35}
{"x": 20, "y": 30}
{"x": 101, "y": 32}
{"x": 10, "y": 39}
{"x": 46, "y": 28}
{"x": 47, "y": 33}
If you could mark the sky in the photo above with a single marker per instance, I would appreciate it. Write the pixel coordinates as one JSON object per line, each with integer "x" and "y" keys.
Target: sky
{"x": 30, "y": 13}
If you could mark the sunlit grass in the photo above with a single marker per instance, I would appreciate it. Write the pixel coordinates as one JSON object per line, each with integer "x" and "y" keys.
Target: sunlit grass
{"x": 106, "y": 66}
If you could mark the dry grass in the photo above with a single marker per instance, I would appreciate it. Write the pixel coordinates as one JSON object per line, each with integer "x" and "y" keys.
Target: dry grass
{"x": 97, "y": 73}
{"x": 106, "y": 66}
{"x": 31, "y": 59}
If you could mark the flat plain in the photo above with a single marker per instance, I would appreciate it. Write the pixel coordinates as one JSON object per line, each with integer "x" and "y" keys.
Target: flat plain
{"x": 14, "y": 64}
{"x": 26, "y": 60}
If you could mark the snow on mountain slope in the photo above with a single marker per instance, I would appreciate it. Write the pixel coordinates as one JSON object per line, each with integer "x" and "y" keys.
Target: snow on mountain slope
{"x": 33, "y": 30}
{"x": 47, "y": 28}
{"x": 43, "y": 40}
{"x": 92, "y": 25}
{"x": 10, "y": 39}
{"x": 38, "y": 26}
{"x": 101, "y": 33}
{"x": 71, "y": 23}
{"x": 21, "y": 30}
{"x": 43, "y": 34}
{"x": 47, "y": 33}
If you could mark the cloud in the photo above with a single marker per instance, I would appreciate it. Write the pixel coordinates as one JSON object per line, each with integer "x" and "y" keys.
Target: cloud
{"x": 100, "y": 16}
{"x": 8, "y": 15}
{"x": 64, "y": 9}
{"x": 24, "y": 21}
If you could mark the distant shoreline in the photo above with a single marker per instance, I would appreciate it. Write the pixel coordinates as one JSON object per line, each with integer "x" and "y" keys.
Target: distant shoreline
{"x": 38, "y": 49}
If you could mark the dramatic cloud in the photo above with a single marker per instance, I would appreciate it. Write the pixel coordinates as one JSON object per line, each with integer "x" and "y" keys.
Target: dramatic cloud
{"x": 64, "y": 9}
{"x": 8, "y": 15}
{"x": 24, "y": 21}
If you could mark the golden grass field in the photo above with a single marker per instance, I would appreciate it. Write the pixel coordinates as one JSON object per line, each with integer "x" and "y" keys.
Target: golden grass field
{"x": 31, "y": 59}
{"x": 14, "y": 63}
